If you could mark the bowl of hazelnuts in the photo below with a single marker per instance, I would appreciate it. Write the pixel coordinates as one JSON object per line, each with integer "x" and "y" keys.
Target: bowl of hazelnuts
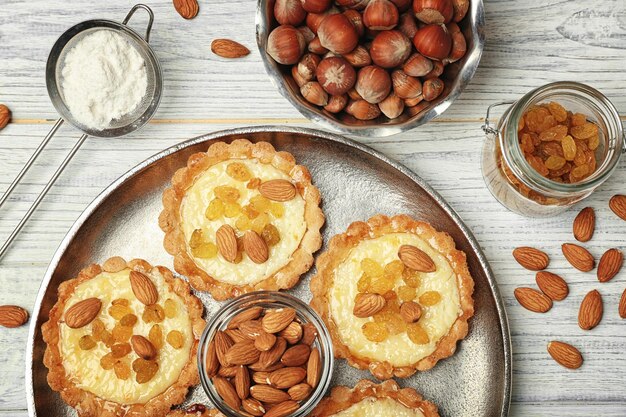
{"x": 370, "y": 67}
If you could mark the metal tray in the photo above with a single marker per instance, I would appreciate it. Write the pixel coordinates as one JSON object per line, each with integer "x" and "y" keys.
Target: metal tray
{"x": 356, "y": 182}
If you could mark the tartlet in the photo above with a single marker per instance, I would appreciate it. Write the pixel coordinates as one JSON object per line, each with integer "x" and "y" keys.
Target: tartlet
{"x": 122, "y": 340}
{"x": 368, "y": 399}
{"x": 384, "y": 315}
{"x": 248, "y": 190}
{"x": 196, "y": 410}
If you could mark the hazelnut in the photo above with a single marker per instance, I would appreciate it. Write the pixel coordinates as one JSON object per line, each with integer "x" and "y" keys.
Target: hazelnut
{"x": 354, "y": 95}
{"x": 336, "y": 103}
{"x": 357, "y": 21}
{"x": 433, "y": 41}
{"x": 432, "y": 88}
{"x": 460, "y": 9}
{"x": 308, "y": 33}
{"x": 314, "y": 93}
{"x": 373, "y": 84}
{"x": 437, "y": 70}
{"x": 314, "y": 20}
{"x": 415, "y": 110}
{"x": 402, "y": 5}
{"x": 459, "y": 44}
{"x": 316, "y": 6}
{"x": 316, "y": 47}
{"x": 381, "y": 15}
{"x": 390, "y": 48}
{"x": 363, "y": 110}
{"x": 410, "y": 102}
{"x": 392, "y": 106}
{"x": 359, "y": 57}
{"x": 337, "y": 34}
{"x": 289, "y": 12}
{"x": 297, "y": 77}
{"x": 352, "y": 4}
{"x": 285, "y": 44}
{"x": 417, "y": 65}
{"x": 308, "y": 65}
{"x": 407, "y": 25}
{"x": 336, "y": 75}
{"x": 433, "y": 11}
{"x": 405, "y": 86}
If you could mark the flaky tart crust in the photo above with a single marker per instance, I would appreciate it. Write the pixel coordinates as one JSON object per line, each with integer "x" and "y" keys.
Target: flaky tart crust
{"x": 341, "y": 398}
{"x": 208, "y": 412}
{"x": 170, "y": 221}
{"x": 339, "y": 248}
{"x": 88, "y": 404}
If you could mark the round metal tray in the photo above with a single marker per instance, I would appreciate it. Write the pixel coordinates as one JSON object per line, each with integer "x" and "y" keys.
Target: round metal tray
{"x": 356, "y": 182}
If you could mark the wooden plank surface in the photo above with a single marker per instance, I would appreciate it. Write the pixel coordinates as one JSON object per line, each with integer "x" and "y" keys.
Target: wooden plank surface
{"x": 528, "y": 45}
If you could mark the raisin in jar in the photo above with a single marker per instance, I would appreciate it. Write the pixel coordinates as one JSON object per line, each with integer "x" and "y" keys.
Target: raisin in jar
{"x": 551, "y": 148}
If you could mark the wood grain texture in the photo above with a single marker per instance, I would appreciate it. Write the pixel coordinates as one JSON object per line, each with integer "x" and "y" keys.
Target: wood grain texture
{"x": 528, "y": 45}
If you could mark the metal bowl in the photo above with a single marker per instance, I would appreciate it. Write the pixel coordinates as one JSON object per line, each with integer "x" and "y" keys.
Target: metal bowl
{"x": 456, "y": 78}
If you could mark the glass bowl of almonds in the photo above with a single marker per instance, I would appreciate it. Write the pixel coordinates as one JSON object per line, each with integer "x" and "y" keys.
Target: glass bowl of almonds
{"x": 265, "y": 351}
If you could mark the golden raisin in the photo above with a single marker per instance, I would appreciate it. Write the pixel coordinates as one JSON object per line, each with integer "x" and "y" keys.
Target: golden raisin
{"x": 232, "y": 210}
{"x": 277, "y": 210}
{"x": 578, "y": 173}
{"x": 215, "y": 209}
{"x": 97, "y": 329}
{"x": 145, "y": 370}
{"x": 260, "y": 203}
{"x": 196, "y": 239}
{"x": 227, "y": 194}
{"x": 557, "y": 132}
{"x": 243, "y": 223}
{"x": 260, "y": 222}
{"x": 527, "y": 143}
{"x": 363, "y": 285}
{"x": 107, "y": 338}
{"x": 383, "y": 316}
{"x": 381, "y": 285}
{"x": 122, "y": 370}
{"x": 121, "y": 302}
{"x": 395, "y": 324}
{"x": 584, "y": 131}
{"x": 406, "y": 293}
{"x": 569, "y": 148}
{"x": 206, "y": 250}
{"x": 107, "y": 361}
{"x": 87, "y": 342}
{"x": 371, "y": 268}
{"x": 579, "y": 119}
{"x": 128, "y": 320}
{"x": 253, "y": 184}
{"x": 121, "y": 333}
{"x": 430, "y": 298}
{"x": 558, "y": 111}
{"x": 238, "y": 171}
{"x": 375, "y": 332}
{"x": 270, "y": 235}
{"x": 170, "y": 308}
{"x": 175, "y": 339}
{"x": 117, "y": 311}
{"x": 594, "y": 142}
{"x": 555, "y": 162}
{"x": 119, "y": 350}
{"x": 153, "y": 313}
{"x": 155, "y": 336}
{"x": 537, "y": 164}
{"x": 249, "y": 211}
{"x": 548, "y": 149}
{"x": 394, "y": 269}
{"x": 417, "y": 334}
{"x": 411, "y": 277}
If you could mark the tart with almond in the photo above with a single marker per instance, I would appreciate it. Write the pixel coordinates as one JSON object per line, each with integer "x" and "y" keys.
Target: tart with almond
{"x": 122, "y": 340}
{"x": 395, "y": 294}
{"x": 242, "y": 217}
{"x": 368, "y": 399}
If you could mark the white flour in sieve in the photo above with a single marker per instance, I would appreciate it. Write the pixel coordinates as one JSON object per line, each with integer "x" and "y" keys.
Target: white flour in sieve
{"x": 103, "y": 78}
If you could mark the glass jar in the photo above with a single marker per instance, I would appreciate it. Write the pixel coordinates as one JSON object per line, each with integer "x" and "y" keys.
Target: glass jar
{"x": 515, "y": 183}
{"x": 269, "y": 299}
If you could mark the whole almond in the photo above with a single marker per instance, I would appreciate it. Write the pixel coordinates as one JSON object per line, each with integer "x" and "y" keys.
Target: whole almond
{"x": 5, "y": 116}
{"x": 255, "y": 247}
{"x": 578, "y": 257}
{"x": 313, "y": 368}
{"x": 261, "y": 377}
{"x": 309, "y": 333}
{"x": 610, "y": 264}
{"x": 143, "y": 347}
{"x": 235, "y": 334}
{"x": 226, "y": 390}
{"x": 565, "y": 354}
{"x": 296, "y": 355}
{"x": 278, "y": 190}
{"x": 416, "y": 259}
{"x": 273, "y": 355}
{"x": 410, "y": 311}
{"x": 531, "y": 258}
{"x": 590, "y": 312}
{"x": 253, "y": 406}
{"x": 227, "y": 48}
{"x": 228, "y": 371}
{"x": 251, "y": 313}
{"x": 552, "y": 285}
{"x": 277, "y": 319}
{"x": 82, "y": 313}
{"x": 622, "y": 305}
{"x": 242, "y": 353}
{"x": 186, "y": 8}
{"x": 300, "y": 391}
{"x": 264, "y": 342}
{"x": 143, "y": 288}
{"x": 366, "y": 305}
{"x": 226, "y": 240}
{"x": 251, "y": 329}
{"x": 287, "y": 377}
{"x": 212, "y": 365}
{"x": 267, "y": 394}
{"x": 292, "y": 333}
{"x": 617, "y": 204}
{"x": 533, "y": 300}
{"x": 12, "y": 316}
{"x": 283, "y": 409}
{"x": 584, "y": 224}
{"x": 223, "y": 343}
{"x": 242, "y": 382}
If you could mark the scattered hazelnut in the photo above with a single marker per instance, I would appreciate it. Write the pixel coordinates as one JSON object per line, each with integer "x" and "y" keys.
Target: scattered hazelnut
{"x": 390, "y": 48}
{"x": 373, "y": 83}
{"x": 433, "y": 41}
{"x": 285, "y": 44}
{"x": 336, "y": 75}
{"x": 381, "y": 15}
{"x": 337, "y": 34}
{"x": 433, "y": 11}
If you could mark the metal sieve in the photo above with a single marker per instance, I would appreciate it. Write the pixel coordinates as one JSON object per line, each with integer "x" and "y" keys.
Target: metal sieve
{"x": 118, "y": 127}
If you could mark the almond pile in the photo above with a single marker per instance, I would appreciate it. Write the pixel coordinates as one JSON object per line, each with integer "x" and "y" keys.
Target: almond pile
{"x": 554, "y": 288}
{"x": 264, "y": 363}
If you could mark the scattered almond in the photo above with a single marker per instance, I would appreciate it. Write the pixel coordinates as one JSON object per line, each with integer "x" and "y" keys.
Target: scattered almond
{"x": 590, "y": 312}
{"x": 584, "y": 224}
{"x": 622, "y": 305}
{"x": 578, "y": 257}
{"x": 610, "y": 264}
{"x": 283, "y": 409}
{"x": 227, "y": 48}
{"x": 366, "y": 304}
{"x": 143, "y": 288}
{"x": 187, "y": 8}
{"x": 143, "y": 347}
{"x": 416, "y": 259}
{"x": 255, "y": 247}
{"x": 410, "y": 311}
{"x": 267, "y": 394}
{"x": 264, "y": 342}
{"x": 5, "y": 116}
{"x": 82, "y": 313}
{"x": 12, "y": 316}
{"x": 533, "y": 300}
{"x": 226, "y": 390}
{"x": 276, "y": 320}
{"x": 552, "y": 285}
{"x": 296, "y": 355}
{"x": 242, "y": 382}
{"x": 617, "y": 204}
{"x": 226, "y": 240}
{"x": 300, "y": 391}
{"x": 251, "y": 313}
{"x": 242, "y": 353}
{"x": 531, "y": 258}
{"x": 292, "y": 333}
{"x": 565, "y": 354}
{"x": 278, "y": 190}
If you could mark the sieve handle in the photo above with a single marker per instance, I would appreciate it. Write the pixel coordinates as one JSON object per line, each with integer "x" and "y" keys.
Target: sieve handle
{"x": 150, "y": 14}
{"x": 49, "y": 185}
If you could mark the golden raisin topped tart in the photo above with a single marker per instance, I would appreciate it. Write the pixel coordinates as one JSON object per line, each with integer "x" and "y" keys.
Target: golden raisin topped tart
{"x": 122, "y": 340}
{"x": 242, "y": 217}
{"x": 367, "y": 399}
{"x": 395, "y": 294}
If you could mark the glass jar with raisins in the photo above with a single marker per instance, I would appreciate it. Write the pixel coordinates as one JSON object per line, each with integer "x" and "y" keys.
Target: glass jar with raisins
{"x": 551, "y": 148}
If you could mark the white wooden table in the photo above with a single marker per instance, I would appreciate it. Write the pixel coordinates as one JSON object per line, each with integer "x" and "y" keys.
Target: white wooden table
{"x": 528, "y": 44}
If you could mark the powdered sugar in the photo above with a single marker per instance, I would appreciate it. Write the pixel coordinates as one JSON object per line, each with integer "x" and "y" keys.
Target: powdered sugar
{"x": 103, "y": 78}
